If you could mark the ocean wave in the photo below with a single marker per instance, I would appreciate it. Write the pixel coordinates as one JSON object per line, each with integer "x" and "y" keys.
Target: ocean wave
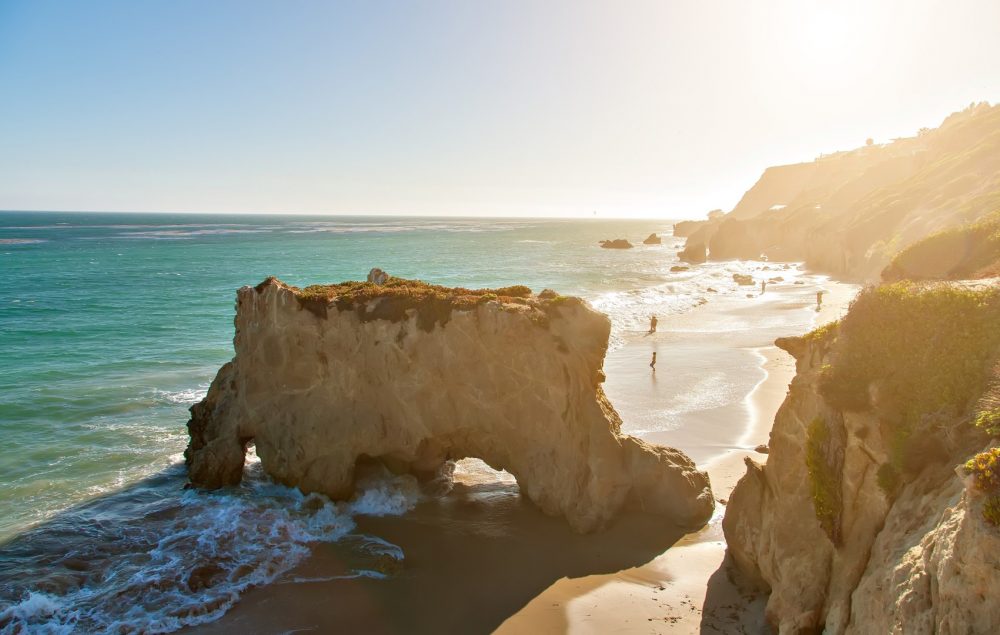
{"x": 186, "y": 397}
{"x": 151, "y": 561}
{"x": 176, "y": 234}
{"x": 21, "y": 241}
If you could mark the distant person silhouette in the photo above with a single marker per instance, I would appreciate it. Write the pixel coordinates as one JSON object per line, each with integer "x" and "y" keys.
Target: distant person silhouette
{"x": 819, "y": 300}
{"x": 763, "y": 285}
{"x": 652, "y": 362}
{"x": 652, "y": 324}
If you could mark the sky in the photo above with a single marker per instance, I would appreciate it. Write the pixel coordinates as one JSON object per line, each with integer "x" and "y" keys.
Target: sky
{"x": 662, "y": 109}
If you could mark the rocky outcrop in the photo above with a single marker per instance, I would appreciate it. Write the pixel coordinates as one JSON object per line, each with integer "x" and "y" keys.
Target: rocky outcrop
{"x": 377, "y": 276}
{"x": 415, "y": 375}
{"x": 652, "y": 239}
{"x": 858, "y": 522}
{"x": 685, "y": 228}
{"x": 743, "y": 279}
{"x": 617, "y": 243}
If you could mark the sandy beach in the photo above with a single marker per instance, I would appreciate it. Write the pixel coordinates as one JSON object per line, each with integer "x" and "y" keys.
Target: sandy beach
{"x": 482, "y": 559}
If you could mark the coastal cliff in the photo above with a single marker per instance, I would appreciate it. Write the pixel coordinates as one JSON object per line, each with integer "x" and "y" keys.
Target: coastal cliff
{"x": 414, "y": 376}
{"x": 849, "y": 213}
{"x": 864, "y": 518}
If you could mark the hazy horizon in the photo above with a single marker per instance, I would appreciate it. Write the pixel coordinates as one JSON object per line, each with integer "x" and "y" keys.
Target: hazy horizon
{"x": 663, "y": 110}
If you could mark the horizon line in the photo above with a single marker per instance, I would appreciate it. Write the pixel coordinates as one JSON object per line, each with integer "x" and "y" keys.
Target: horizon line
{"x": 349, "y": 214}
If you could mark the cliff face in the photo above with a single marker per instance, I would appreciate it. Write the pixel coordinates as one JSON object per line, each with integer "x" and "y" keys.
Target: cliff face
{"x": 413, "y": 376}
{"x": 859, "y": 522}
{"x": 849, "y": 213}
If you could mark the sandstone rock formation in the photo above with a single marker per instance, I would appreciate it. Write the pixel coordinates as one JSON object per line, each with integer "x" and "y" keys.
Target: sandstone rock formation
{"x": 685, "y": 228}
{"x": 743, "y": 279}
{"x": 415, "y": 375}
{"x": 858, "y": 522}
{"x": 617, "y": 243}
{"x": 652, "y": 239}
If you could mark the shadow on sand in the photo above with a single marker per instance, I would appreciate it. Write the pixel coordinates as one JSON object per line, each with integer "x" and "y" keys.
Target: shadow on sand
{"x": 472, "y": 559}
{"x": 731, "y": 605}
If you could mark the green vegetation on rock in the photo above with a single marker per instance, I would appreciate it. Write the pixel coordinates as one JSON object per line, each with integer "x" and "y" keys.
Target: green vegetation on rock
{"x": 888, "y": 480}
{"x": 919, "y": 356}
{"x": 824, "y": 478}
{"x": 985, "y": 471}
{"x": 991, "y": 510}
{"x": 989, "y": 421}
{"x": 432, "y": 303}
{"x": 969, "y": 251}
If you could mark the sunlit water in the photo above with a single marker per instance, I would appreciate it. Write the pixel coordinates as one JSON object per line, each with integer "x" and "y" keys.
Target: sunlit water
{"x": 112, "y": 325}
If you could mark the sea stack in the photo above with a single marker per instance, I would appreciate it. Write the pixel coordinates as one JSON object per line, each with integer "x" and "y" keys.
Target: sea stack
{"x": 415, "y": 375}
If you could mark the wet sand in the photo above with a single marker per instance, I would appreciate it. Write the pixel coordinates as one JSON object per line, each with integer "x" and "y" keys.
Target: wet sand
{"x": 484, "y": 559}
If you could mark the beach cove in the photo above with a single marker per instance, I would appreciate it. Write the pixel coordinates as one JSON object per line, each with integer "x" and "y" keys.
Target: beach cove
{"x": 102, "y": 377}
{"x": 482, "y": 559}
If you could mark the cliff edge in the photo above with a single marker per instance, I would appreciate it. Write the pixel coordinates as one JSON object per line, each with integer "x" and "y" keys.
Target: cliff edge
{"x": 865, "y": 517}
{"x": 415, "y": 375}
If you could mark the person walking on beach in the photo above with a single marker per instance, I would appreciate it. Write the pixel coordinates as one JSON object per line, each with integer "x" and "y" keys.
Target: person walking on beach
{"x": 652, "y": 324}
{"x": 819, "y": 300}
{"x": 652, "y": 362}
{"x": 763, "y": 285}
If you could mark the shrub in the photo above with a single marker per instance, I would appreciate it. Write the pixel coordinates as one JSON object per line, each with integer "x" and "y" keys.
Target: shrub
{"x": 991, "y": 510}
{"x": 927, "y": 351}
{"x": 888, "y": 480}
{"x": 959, "y": 252}
{"x": 823, "y": 333}
{"x": 824, "y": 480}
{"x": 985, "y": 470}
{"x": 989, "y": 421}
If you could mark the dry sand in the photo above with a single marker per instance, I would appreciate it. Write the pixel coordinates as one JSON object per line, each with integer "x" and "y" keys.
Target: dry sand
{"x": 483, "y": 559}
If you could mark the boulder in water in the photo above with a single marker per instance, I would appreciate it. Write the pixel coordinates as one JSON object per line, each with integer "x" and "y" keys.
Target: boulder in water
{"x": 617, "y": 243}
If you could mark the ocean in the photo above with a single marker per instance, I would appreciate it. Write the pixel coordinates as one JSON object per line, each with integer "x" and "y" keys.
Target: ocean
{"x": 112, "y": 326}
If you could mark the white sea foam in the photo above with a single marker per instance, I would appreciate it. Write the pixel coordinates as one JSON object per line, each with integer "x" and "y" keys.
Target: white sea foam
{"x": 48, "y": 613}
{"x": 190, "y": 561}
{"x": 186, "y": 397}
{"x": 21, "y": 241}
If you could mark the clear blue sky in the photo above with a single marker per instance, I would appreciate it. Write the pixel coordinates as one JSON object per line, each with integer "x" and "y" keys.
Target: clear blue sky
{"x": 464, "y": 107}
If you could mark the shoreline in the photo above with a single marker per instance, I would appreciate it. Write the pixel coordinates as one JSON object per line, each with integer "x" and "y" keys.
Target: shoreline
{"x": 686, "y": 589}
{"x": 482, "y": 559}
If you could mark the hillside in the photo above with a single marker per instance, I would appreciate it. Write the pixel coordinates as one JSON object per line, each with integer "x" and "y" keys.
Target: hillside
{"x": 849, "y": 213}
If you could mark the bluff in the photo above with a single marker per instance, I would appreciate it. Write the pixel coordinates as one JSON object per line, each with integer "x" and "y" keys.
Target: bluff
{"x": 414, "y": 376}
{"x": 850, "y": 213}
{"x": 877, "y": 510}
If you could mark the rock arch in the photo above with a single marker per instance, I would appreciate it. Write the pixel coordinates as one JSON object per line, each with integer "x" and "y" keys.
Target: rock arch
{"x": 416, "y": 375}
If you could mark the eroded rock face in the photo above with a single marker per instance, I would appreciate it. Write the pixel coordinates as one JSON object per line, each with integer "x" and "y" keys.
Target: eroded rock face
{"x": 323, "y": 377}
{"x": 915, "y": 558}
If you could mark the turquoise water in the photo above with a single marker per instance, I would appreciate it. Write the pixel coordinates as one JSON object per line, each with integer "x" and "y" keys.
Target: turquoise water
{"x": 112, "y": 325}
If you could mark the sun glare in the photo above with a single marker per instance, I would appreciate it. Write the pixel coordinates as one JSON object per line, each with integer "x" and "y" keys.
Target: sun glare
{"x": 829, "y": 37}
